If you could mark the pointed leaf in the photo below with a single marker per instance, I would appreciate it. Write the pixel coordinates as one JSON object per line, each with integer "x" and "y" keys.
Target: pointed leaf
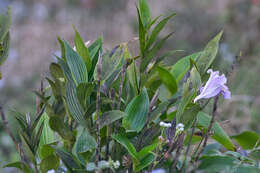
{"x": 167, "y": 79}
{"x": 85, "y": 142}
{"x": 67, "y": 158}
{"x": 144, "y": 12}
{"x": 120, "y": 138}
{"x": 49, "y": 163}
{"x": 209, "y": 53}
{"x": 219, "y": 134}
{"x": 84, "y": 91}
{"x": 137, "y": 111}
{"x": 74, "y": 104}
{"x": 110, "y": 117}
{"x": 76, "y": 65}
{"x": 182, "y": 66}
{"x": 82, "y": 50}
{"x": 157, "y": 30}
{"x": 247, "y": 139}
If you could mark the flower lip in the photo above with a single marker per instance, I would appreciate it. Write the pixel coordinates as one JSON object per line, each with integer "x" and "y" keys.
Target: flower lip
{"x": 215, "y": 85}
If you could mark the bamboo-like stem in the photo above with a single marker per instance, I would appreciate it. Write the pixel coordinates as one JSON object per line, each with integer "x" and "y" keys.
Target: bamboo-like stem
{"x": 206, "y": 136}
{"x": 121, "y": 84}
{"x": 109, "y": 130}
{"x": 99, "y": 68}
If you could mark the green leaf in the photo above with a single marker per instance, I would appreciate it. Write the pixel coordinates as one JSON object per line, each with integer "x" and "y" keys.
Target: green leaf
{"x": 28, "y": 148}
{"x": 247, "y": 139}
{"x": 94, "y": 50}
{"x": 132, "y": 75}
{"x": 168, "y": 80}
{"x": 209, "y": 53}
{"x": 157, "y": 46}
{"x": 218, "y": 133}
{"x": 50, "y": 162}
{"x": 189, "y": 115}
{"x": 56, "y": 71}
{"x": 182, "y": 66}
{"x": 5, "y": 23}
{"x": 123, "y": 140}
{"x": 110, "y": 62}
{"x": 82, "y": 50}
{"x": 56, "y": 123}
{"x": 110, "y": 117}
{"x": 157, "y": 30}
{"x": 146, "y": 150}
{"x": 74, "y": 105}
{"x": 144, "y": 12}
{"x": 46, "y": 150}
{"x": 18, "y": 165}
{"x": 48, "y": 135}
{"x": 141, "y": 32}
{"x": 66, "y": 70}
{"x": 217, "y": 163}
{"x": 5, "y": 46}
{"x": 144, "y": 162}
{"x": 247, "y": 169}
{"x": 85, "y": 142}
{"x": 76, "y": 65}
{"x": 84, "y": 91}
{"x": 67, "y": 158}
{"x": 137, "y": 111}
{"x": 255, "y": 154}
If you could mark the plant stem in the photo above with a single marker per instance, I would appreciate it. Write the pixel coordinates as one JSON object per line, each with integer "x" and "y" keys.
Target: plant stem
{"x": 121, "y": 85}
{"x": 206, "y": 136}
{"x": 178, "y": 152}
{"x": 17, "y": 146}
{"x": 99, "y": 68}
{"x": 189, "y": 144}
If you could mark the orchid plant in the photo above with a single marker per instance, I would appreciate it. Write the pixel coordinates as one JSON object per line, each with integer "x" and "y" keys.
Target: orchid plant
{"x": 113, "y": 111}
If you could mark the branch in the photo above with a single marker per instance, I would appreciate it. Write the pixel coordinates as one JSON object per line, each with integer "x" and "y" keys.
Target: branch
{"x": 206, "y": 136}
{"x": 99, "y": 68}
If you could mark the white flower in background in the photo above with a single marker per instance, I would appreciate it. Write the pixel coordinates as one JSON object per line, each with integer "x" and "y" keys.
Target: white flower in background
{"x": 116, "y": 164}
{"x": 51, "y": 171}
{"x": 215, "y": 85}
{"x": 179, "y": 129}
{"x": 163, "y": 124}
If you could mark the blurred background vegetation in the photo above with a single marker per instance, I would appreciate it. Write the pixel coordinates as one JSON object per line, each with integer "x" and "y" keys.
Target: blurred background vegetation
{"x": 37, "y": 23}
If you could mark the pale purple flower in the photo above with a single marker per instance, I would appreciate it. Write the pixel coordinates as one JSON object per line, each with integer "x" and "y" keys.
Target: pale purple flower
{"x": 215, "y": 85}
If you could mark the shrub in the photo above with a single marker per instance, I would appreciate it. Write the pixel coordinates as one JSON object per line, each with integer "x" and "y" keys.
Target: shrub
{"x": 110, "y": 111}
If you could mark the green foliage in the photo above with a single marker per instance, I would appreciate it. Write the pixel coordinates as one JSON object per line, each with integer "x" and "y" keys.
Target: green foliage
{"x": 5, "y": 24}
{"x": 103, "y": 108}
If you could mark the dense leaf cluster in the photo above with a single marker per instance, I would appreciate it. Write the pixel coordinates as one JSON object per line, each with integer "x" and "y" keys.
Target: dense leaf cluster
{"x": 104, "y": 107}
